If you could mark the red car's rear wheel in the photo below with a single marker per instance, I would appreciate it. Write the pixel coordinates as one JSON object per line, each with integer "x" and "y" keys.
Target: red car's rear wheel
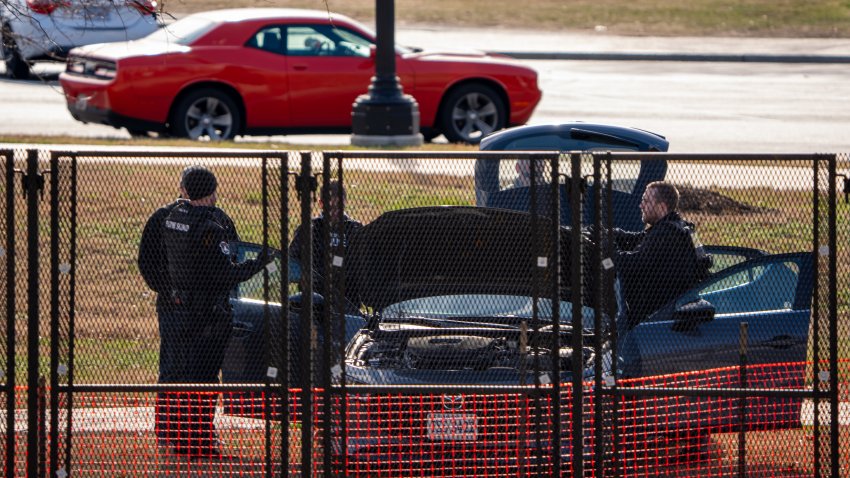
{"x": 471, "y": 112}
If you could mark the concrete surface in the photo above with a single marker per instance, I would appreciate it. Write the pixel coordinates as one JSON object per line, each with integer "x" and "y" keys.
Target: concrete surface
{"x": 601, "y": 46}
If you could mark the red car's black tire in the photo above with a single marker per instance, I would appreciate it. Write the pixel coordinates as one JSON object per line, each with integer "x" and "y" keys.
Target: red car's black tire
{"x": 470, "y": 112}
{"x": 206, "y": 113}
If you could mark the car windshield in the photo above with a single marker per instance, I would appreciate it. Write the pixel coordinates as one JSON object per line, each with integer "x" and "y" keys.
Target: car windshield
{"x": 515, "y": 173}
{"x": 183, "y": 32}
{"x": 482, "y": 306}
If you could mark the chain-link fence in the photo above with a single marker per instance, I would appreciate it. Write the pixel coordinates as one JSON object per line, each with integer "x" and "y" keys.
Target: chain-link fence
{"x": 402, "y": 305}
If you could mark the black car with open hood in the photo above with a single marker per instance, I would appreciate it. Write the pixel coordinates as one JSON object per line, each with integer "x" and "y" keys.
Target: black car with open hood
{"x": 463, "y": 296}
{"x": 460, "y": 295}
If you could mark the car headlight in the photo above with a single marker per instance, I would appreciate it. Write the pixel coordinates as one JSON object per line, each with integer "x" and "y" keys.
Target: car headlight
{"x": 102, "y": 69}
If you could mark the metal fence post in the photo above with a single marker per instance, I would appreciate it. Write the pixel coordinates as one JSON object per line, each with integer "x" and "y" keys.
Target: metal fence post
{"x": 329, "y": 300}
{"x": 10, "y": 315}
{"x": 534, "y": 209}
{"x": 342, "y": 302}
{"x": 555, "y": 260}
{"x": 306, "y": 188}
{"x": 816, "y": 316}
{"x": 264, "y": 175}
{"x": 284, "y": 297}
{"x": 833, "y": 325}
{"x": 72, "y": 315}
{"x": 611, "y": 308}
{"x": 33, "y": 183}
{"x": 596, "y": 258}
{"x": 54, "y": 315}
{"x": 576, "y": 289}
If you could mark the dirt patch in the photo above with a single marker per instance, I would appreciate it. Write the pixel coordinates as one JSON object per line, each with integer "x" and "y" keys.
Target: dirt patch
{"x": 703, "y": 201}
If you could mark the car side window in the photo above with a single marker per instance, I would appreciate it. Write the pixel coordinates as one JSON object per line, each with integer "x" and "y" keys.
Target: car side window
{"x": 268, "y": 39}
{"x": 517, "y": 173}
{"x": 764, "y": 286}
{"x": 725, "y": 261}
{"x": 324, "y": 40}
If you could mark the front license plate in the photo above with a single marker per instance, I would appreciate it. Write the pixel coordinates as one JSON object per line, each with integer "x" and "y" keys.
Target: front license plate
{"x": 82, "y": 102}
{"x": 452, "y": 427}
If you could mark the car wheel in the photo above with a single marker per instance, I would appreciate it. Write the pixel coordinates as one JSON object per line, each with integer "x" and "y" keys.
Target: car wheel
{"x": 207, "y": 113}
{"x": 16, "y": 66}
{"x": 471, "y": 112}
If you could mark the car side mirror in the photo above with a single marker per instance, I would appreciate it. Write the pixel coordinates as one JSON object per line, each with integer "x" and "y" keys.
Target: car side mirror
{"x": 688, "y": 316}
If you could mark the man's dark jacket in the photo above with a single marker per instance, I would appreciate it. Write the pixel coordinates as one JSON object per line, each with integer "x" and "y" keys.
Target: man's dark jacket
{"x": 319, "y": 223}
{"x": 657, "y": 265}
{"x": 200, "y": 265}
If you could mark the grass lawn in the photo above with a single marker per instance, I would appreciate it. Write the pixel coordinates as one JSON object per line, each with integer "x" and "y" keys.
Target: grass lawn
{"x": 771, "y": 18}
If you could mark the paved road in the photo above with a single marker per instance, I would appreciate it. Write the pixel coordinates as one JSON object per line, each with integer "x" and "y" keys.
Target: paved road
{"x": 601, "y": 45}
{"x": 700, "y": 107}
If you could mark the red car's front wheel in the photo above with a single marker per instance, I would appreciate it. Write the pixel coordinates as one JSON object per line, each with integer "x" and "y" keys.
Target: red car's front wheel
{"x": 206, "y": 114}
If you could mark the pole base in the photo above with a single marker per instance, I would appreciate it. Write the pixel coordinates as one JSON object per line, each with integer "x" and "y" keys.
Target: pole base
{"x": 387, "y": 140}
{"x": 385, "y": 121}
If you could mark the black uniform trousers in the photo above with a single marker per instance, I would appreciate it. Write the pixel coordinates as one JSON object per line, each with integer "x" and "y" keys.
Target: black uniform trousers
{"x": 185, "y": 419}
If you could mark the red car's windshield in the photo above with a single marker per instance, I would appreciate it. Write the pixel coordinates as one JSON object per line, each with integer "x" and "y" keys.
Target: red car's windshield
{"x": 183, "y": 32}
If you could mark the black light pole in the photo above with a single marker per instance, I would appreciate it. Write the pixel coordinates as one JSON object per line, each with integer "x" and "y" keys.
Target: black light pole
{"x": 385, "y": 116}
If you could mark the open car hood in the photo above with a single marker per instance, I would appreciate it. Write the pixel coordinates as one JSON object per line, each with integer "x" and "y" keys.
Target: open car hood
{"x": 434, "y": 251}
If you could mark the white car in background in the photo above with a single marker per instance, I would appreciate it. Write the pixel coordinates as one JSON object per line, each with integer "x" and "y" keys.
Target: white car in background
{"x": 47, "y": 29}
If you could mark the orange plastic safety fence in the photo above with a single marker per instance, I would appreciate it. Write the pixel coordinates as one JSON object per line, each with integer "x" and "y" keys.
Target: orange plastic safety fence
{"x": 404, "y": 434}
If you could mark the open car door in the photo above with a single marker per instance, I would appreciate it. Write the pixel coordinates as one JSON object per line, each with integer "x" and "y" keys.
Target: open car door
{"x": 702, "y": 329}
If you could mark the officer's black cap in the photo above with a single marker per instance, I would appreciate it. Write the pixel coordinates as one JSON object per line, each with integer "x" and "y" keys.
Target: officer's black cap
{"x": 198, "y": 181}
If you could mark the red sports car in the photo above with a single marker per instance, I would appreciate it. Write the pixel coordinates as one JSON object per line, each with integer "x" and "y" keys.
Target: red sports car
{"x": 249, "y": 71}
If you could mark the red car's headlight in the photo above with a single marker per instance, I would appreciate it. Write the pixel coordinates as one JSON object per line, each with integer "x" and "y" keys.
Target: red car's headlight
{"x": 102, "y": 69}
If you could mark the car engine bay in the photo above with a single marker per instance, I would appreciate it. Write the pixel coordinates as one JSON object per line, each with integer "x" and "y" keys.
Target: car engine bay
{"x": 469, "y": 349}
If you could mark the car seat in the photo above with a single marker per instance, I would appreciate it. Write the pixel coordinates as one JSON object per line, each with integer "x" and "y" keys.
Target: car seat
{"x": 271, "y": 41}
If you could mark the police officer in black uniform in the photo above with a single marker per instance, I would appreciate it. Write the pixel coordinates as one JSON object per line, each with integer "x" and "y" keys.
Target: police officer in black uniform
{"x": 654, "y": 266}
{"x": 320, "y": 222}
{"x": 196, "y": 237}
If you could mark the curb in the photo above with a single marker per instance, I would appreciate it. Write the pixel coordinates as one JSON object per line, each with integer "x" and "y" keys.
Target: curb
{"x": 694, "y": 57}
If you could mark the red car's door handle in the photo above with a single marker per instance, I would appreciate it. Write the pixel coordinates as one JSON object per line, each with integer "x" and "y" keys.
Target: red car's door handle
{"x": 299, "y": 67}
